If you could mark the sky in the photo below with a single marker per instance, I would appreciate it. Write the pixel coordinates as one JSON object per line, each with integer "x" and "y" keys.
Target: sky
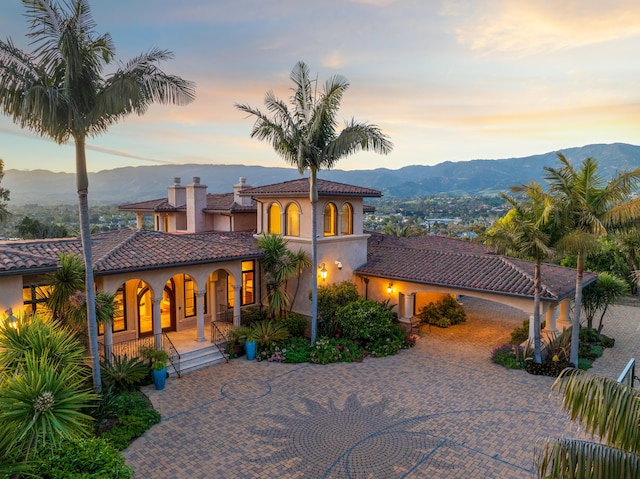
{"x": 446, "y": 80}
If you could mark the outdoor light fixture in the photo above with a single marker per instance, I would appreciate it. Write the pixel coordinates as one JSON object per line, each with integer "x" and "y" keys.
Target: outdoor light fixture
{"x": 390, "y": 288}
{"x": 323, "y": 272}
{"x": 11, "y": 320}
{"x": 339, "y": 263}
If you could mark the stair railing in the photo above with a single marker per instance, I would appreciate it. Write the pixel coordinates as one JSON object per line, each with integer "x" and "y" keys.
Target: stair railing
{"x": 220, "y": 340}
{"x": 174, "y": 355}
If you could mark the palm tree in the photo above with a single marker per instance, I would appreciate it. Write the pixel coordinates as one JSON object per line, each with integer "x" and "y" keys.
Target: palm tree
{"x": 527, "y": 230}
{"x": 599, "y": 295}
{"x": 605, "y": 408}
{"x": 307, "y": 137}
{"x": 590, "y": 206}
{"x": 59, "y": 91}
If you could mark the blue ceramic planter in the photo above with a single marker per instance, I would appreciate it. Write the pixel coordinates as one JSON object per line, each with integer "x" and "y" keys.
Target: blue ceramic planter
{"x": 250, "y": 348}
{"x": 160, "y": 378}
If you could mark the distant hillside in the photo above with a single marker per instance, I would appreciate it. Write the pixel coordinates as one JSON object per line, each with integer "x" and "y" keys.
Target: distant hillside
{"x": 126, "y": 185}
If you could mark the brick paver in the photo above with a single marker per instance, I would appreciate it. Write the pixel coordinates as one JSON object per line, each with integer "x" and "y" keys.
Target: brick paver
{"x": 439, "y": 410}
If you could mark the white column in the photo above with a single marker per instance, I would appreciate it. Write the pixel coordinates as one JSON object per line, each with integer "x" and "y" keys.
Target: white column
{"x": 550, "y": 319}
{"x": 236, "y": 305}
{"x": 139, "y": 220}
{"x": 564, "y": 321}
{"x": 532, "y": 328}
{"x": 408, "y": 307}
{"x": 214, "y": 301}
{"x": 108, "y": 342}
{"x": 157, "y": 322}
{"x": 200, "y": 294}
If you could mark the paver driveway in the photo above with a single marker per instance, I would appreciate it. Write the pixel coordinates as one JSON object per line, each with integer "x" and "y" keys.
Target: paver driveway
{"x": 440, "y": 410}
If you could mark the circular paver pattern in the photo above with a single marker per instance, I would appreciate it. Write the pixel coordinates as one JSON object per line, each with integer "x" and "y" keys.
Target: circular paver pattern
{"x": 243, "y": 389}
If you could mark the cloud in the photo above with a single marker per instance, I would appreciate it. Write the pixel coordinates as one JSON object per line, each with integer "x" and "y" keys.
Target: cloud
{"x": 526, "y": 27}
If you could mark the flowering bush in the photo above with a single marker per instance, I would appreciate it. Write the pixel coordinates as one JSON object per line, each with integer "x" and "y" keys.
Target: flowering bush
{"x": 335, "y": 350}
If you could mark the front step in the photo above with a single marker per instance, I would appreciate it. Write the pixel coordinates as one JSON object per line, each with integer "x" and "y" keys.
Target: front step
{"x": 197, "y": 359}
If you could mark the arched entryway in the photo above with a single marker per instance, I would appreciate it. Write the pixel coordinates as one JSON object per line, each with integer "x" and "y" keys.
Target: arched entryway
{"x": 145, "y": 308}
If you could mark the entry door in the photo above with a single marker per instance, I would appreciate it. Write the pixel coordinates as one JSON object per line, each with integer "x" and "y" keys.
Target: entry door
{"x": 167, "y": 311}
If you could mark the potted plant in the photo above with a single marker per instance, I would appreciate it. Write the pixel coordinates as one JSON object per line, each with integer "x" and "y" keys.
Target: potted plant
{"x": 159, "y": 367}
{"x": 250, "y": 346}
{"x": 237, "y": 339}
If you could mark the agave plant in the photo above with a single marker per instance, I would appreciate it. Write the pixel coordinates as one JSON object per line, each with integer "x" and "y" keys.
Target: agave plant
{"x": 42, "y": 403}
{"x": 123, "y": 373}
{"x": 268, "y": 331}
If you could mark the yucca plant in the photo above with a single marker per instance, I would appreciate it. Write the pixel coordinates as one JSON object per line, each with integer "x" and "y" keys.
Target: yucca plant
{"x": 42, "y": 403}
{"x": 41, "y": 337}
{"x": 607, "y": 409}
{"x": 123, "y": 373}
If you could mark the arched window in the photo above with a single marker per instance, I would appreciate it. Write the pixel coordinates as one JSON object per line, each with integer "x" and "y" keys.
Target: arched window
{"x": 330, "y": 220}
{"x": 293, "y": 220}
{"x": 346, "y": 220}
{"x": 274, "y": 226}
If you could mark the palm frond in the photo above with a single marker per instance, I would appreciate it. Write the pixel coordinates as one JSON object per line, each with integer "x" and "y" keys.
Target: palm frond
{"x": 576, "y": 459}
{"x": 605, "y": 407}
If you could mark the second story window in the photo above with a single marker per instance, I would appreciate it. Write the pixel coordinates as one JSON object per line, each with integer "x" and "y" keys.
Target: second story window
{"x": 293, "y": 220}
{"x": 346, "y": 219}
{"x": 330, "y": 220}
{"x": 274, "y": 226}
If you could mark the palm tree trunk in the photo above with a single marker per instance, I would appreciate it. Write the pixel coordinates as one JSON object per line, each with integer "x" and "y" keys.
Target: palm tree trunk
{"x": 575, "y": 323}
{"x": 313, "y": 196}
{"x": 537, "y": 355}
{"x": 82, "y": 183}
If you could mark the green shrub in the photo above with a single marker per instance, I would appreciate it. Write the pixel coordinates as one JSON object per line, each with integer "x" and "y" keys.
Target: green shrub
{"x": 606, "y": 341}
{"x": 251, "y": 315}
{"x": 82, "y": 459}
{"x": 330, "y": 298}
{"x": 364, "y": 320}
{"x": 509, "y": 356}
{"x": 298, "y": 350}
{"x": 589, "y": 335}
{"x": 129, "y": 427}
{"x": 295, "y": 323}
{"x": 123, "y": 374}
{"x": 584, "y": 364}
{"x": 444, "y": 313}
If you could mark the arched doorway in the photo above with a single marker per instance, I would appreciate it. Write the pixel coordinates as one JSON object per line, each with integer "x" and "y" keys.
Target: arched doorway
{"x": 145, "y": 309}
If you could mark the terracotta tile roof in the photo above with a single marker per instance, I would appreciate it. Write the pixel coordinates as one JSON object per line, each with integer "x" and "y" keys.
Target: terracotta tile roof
{"x": 216, "y": 202}
{"x": 131, "y": 250}
{"x": 301, "y": 188}
{"x": 463, "y": 265}
{"x": 151, "y": 206}
{"x": 223, "y": 202}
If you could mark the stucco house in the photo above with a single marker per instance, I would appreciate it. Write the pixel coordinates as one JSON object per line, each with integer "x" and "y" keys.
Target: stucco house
{"x": 202, "y": 263}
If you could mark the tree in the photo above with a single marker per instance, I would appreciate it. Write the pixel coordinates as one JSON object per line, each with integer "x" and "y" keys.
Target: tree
{"x": 280, "y": 264}
{"x": 590, "y": 206}
{"x": 605, "y": 408}
{"x": 307, "y": 137}
{"x": 527, "y": 229}
{"x": 4, "y": 196}
{"x": 59, "y": 91}
{"x": 599, "y": 295}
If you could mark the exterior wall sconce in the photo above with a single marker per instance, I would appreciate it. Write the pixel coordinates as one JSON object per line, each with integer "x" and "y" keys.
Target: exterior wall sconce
{"x": 390, "y": 288}
{"x": 339, "y": 263}
{"x": 323, "y": 272}
{"x": 11, "y": 320}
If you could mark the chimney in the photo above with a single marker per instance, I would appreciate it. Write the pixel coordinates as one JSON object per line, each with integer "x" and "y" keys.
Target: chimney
{"x": 241, "y": 200}
{"x": 196, "y": 202}
{"x": 176, "y": 193}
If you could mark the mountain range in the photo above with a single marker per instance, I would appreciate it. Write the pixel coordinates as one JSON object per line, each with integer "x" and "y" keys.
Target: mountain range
{"x": 473, "y": 177}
